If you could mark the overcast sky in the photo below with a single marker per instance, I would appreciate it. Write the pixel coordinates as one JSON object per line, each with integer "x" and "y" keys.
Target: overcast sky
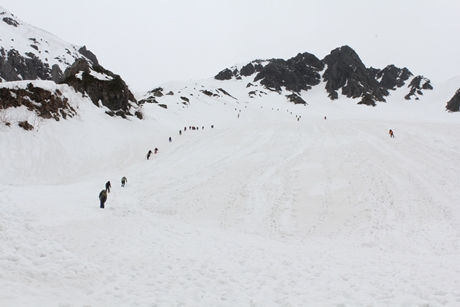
{"x": 149, "y": 42}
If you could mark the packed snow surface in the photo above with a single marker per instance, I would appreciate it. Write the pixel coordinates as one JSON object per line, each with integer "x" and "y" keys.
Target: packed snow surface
{"x": 275, "y": 207}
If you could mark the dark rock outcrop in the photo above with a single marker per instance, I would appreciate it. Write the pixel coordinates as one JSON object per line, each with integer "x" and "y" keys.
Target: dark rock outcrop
{"x": 296, "y": 99}
{"x": 101, "y": 85}
{"x": 209, "y": 93}
{"x": 392, "y": 77}
{"x": 14, "y": 67}
{"x": 156, "y": 92}
{"x": 36, "y": 57}
{"x": 89, "y": 55}
{"x": 416, "y": 86}
{"x": 342, "y": 70}
{"x": 225, "y": 92}
{"x": 25, "y": 125}
{"x": 44, "y": 103}
{"x": 225, "y": 74}
{"x": 247, "y": 70}
{"x": 346, "y": 71}
{"x": 10, "y": 21}
{"x": 296, "y": 74}
{"x": 454, "y": 103}
{"x": 368, "y": 100}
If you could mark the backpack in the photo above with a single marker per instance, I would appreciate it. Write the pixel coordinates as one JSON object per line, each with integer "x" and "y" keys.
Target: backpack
{"x": 103, "y": 194}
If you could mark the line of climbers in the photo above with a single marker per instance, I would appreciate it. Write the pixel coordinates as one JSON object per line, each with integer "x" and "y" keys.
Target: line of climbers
{"x": 124, "y": 181}
{"x": 149, "y": 153}
{"x": 108, "y": 186}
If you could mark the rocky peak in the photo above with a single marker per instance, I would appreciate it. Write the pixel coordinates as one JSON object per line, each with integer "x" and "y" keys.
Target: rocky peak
{"x": 30, "y": 53}
{"x": 392, "y": 77}
{"x": 346, "y": 71}
{"x": 44, "y": 103}
{"x": 101, "y": 85}
{"x": 296, "y": 74}
{"x": 454, "y": 103}
{"x": 416, "y": 87}
{"x": 89, "y": 55}
{"x": 10, "y": 21}
{"x": 342, "y": 70}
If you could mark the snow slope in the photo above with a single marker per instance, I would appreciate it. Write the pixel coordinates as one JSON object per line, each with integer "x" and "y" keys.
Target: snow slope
{"x": 262, "y": 210}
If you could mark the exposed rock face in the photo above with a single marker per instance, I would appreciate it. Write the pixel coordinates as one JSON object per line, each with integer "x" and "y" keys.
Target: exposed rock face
{"x": 25, "y": 125}
{"x": 416, "y": 86}
{"x": 89, "y": 55}
{"x": 14, "y": 67}
{"x": 392, "y": 77}
{"x": 41, "y": 57}
{"x": 225, "y": 74}
{"x": 454, "y": 104}
{"x": 44, "y": 103}
{"x": 10, "y": 21}
{"x": 346, "y": 71}
{"x": 248, "y": 70}
{"x": 296, "y": 74}
{"x": 101, "y": 86}
{"x": 44, "y": 57}
{"x": 342, "y": 70}
{"x": 296, "y": 99}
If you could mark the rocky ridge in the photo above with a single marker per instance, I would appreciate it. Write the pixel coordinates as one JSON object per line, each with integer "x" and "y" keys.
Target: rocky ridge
{"x": 29, "y": 53}
{"x": 103, "y": 87}
{"x": 46, "y": 104}
{"x": 342, "y": 71}
{"x": 453, "y": 105}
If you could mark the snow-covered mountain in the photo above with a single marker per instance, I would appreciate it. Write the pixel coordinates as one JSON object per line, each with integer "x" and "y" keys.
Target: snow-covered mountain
{"x": 263, "y": 192}
{"x": 30, "y": 53}
{"x": 274, "y": 206}
{"x": 342, "y": 70}
{"x": 305, "y": 78}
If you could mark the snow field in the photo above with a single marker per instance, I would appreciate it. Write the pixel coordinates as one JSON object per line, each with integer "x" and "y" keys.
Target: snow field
{"x": 262, "y": 210}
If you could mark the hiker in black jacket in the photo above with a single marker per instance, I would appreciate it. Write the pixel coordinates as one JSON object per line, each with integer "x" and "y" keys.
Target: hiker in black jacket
{"x": 103, "y": 198}
{"x": 108, "y": 186}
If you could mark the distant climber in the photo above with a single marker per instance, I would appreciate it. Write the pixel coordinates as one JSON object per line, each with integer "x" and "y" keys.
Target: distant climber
{"x": 170, "y": 139}
{"x": 391, "y": 133}
{"x": 156, "y": 150}
{"x": 324, "y": 117}
{"x": 149, "y": 154}
{"x": 180, "y": 132}
{"x": 108, "y": 186}
{"x": 102, "y": 198}
{"x": 123, "y": 181}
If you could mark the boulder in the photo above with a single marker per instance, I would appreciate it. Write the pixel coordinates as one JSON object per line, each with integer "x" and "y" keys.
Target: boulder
{"x": 454, "y": 103}
{"x": 110, "y": 89}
